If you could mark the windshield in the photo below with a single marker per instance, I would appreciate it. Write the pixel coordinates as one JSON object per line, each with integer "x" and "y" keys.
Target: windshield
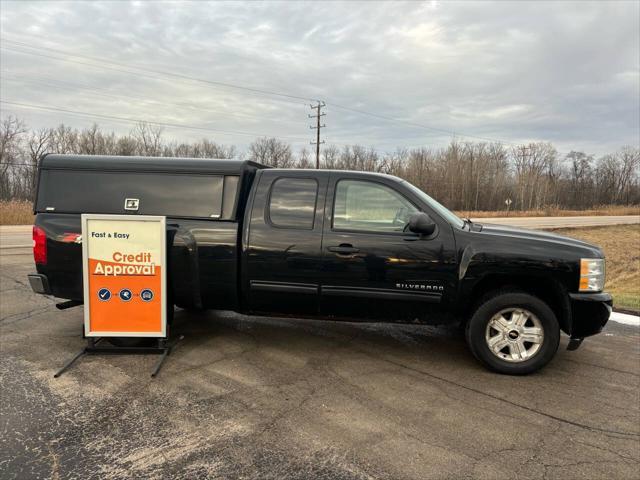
{"x": 444, "y": 212}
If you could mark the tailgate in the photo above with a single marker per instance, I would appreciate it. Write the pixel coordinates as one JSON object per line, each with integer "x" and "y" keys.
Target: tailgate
{"x": 64, "y": 254}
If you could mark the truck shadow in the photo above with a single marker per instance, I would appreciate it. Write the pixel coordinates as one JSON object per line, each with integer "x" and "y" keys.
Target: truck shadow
{"x": 308, "y": 340}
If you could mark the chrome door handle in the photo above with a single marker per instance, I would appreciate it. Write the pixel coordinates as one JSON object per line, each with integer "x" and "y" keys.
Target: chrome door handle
{"x": 344, "y": 249}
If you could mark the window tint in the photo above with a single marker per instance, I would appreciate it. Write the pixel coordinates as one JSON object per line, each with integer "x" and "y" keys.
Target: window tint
{"x": 293, "y": 202}
{"x": 371, "y": 207}
{"x": 229, "y": 197}
{"x": 105, "y": 192}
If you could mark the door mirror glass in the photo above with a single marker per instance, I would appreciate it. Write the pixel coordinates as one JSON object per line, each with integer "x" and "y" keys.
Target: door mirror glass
{"x": 421, "y": 223}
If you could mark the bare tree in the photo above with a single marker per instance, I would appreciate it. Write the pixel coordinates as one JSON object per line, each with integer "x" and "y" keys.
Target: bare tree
{"x": 580, "y": 178}
{"x": 303, "y": 159}
{"x": 149, "y": 139}
{"x": 11, "y": 130}
{"x": 38, "y": 143}
{"x": 63, "y": 140}
{"x": 272, "y": 152}
{"x": 89, "y": 141}
{"x": 463, "y": 175}
{"x": 330, "y": 156}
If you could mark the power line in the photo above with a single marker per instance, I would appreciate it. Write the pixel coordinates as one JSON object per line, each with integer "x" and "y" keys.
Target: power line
{"x": 157, "y": 72}
{"x": 165, "y": 124}
{"x": 229, "y": 85}
{"x": 418, "y": 125}
{"x": 233, "y": 86}
{"x": 318, "y": 107}
{"x": 150, "y": 122}
{"x": 96, "y": 91}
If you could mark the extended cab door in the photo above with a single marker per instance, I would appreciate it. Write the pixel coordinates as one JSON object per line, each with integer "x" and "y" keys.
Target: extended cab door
{"x": 283, "y": 242}
{"x": 371, "y": 268}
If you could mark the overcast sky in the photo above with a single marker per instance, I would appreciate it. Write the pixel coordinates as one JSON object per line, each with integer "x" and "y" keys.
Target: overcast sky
{"x": 564, "y": 72}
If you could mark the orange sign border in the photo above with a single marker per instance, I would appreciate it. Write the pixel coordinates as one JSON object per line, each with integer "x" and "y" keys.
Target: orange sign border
{"x": 85, "y": 273}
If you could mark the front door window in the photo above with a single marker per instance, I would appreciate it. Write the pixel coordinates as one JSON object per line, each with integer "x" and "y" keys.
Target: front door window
{"x": 370, "y": 207}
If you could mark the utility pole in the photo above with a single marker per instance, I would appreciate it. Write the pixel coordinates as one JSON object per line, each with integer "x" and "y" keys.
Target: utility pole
{"x": 319, "y": 113}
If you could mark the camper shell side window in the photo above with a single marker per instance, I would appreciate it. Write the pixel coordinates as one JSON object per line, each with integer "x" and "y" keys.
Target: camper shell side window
{"x": 173, "y": 195}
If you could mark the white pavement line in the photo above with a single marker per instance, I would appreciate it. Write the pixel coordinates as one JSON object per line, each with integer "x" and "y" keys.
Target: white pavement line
{"x": 625, "y": 319}
{"x": 15, "y": 228}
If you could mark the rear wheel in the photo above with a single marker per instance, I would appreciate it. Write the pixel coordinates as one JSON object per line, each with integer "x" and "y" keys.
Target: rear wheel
{"x": 513, "y": 332}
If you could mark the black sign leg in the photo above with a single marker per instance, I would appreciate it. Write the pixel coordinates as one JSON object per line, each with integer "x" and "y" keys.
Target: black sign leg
{"x": 165, "y": 353}
{"x": 163, "y": 348}
{"x": 70, "y": 362}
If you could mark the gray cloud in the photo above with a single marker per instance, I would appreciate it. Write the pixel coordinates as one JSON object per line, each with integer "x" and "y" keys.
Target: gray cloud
{"x": 566, "y": 72}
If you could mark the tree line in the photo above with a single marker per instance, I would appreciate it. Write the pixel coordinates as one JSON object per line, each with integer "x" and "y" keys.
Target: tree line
{"x": 463, "y": 175}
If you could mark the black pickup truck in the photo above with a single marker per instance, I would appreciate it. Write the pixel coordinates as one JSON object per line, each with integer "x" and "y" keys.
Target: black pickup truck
{"x": 329, "y": 244}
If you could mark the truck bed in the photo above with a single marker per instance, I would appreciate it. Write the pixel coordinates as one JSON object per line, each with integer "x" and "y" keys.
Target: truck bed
{"x": 202, "y": 260}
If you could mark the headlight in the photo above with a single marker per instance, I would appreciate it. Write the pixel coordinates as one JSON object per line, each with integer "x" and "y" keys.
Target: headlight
{"x": 591, "y": 274}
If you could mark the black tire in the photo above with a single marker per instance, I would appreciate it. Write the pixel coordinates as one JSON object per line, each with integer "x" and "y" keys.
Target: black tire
{"x": 132, "y": 341}
{"x": 500, "y": 301}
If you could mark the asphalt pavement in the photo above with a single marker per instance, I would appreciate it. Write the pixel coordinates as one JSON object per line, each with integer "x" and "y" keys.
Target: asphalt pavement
{"x": 253, "y": 397}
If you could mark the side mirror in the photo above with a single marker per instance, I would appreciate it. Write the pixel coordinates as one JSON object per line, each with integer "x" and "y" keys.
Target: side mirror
{"x": 421, "y": 223}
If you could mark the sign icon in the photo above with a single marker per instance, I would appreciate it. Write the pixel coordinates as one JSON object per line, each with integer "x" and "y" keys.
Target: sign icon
{"x": 104, "y": 294}
{"x": 146, "y": 295}
{"x": 131, "y": 203}
{"x": 125, "y": 295}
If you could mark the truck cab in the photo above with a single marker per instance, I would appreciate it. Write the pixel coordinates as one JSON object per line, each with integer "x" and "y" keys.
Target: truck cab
{"x": 328, "y": 244}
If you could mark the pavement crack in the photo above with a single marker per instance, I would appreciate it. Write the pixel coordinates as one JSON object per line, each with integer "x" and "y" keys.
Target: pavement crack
{"x": 524, "y": 407}
{"x": 16, "y": 317}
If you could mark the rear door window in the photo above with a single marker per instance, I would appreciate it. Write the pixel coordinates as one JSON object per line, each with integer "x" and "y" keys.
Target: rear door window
{"x": 175, "y": 195}
{"x": 292, "y": 203}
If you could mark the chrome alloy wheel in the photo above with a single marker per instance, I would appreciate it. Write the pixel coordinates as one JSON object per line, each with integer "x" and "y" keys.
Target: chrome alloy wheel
{"x": 514, "y": 335}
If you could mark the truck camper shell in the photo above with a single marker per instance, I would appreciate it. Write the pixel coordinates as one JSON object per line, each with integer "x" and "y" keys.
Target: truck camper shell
{"x": 176, "y": 187}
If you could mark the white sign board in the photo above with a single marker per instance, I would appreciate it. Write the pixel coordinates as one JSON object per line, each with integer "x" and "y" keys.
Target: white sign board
{"x": 124, "y": 275}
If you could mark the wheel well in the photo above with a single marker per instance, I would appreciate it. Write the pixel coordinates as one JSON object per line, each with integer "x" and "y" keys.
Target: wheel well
{"x": 549, "y": 290}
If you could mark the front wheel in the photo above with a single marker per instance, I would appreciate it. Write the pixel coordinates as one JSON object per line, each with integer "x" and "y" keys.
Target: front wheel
{"x": 513, "y": 333}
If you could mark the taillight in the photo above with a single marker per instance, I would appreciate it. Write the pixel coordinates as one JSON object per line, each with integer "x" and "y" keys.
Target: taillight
{"x": 39, "y": 245}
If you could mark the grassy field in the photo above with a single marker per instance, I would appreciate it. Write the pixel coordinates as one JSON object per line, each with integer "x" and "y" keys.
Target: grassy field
{"x": 555, "y": 212}
{"x": 621, "y": 245}
{"x": 16, "y": 212}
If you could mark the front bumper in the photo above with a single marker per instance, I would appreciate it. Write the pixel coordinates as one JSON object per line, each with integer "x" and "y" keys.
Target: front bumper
{"x": 589, "y": 313}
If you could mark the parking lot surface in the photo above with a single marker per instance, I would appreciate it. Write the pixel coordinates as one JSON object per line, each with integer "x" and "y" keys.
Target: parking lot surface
{"x": 252, "y": 397}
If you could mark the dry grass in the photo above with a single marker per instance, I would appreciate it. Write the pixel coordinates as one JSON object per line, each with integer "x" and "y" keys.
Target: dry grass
{"x": 16, "y": 212}
{"x": 621, "y": 245}
{"x": 556, "y": 212}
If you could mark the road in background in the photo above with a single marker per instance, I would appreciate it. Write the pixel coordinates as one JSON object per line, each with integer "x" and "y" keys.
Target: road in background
{"x": 15, "y": 237}
{"x": 561, "y": 222}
